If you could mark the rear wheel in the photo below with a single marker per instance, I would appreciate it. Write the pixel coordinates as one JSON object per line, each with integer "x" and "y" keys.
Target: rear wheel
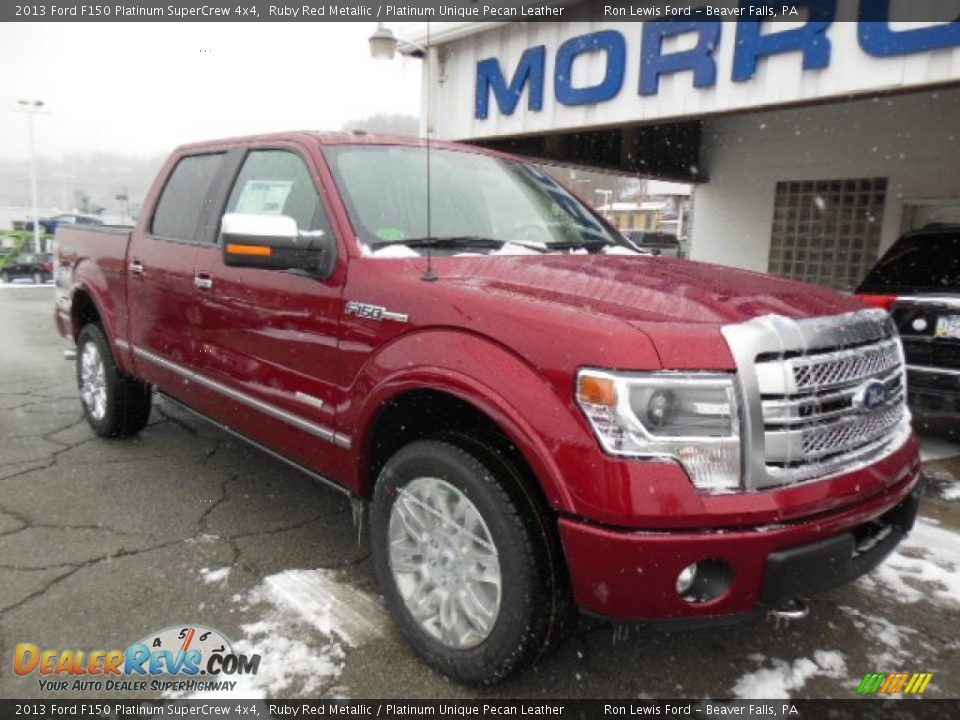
{"x": 460, "y": 553}
{"x": 115, "y": 404}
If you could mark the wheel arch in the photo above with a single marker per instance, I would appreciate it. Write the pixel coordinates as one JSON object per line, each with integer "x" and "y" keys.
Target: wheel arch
{"x": 416, "y": 410}
{"x": 86, "y": 308}
{"x": 83, "y": 310}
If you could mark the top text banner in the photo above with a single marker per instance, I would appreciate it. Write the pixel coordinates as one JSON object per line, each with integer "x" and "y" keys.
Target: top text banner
{"x": 451, "y": 11}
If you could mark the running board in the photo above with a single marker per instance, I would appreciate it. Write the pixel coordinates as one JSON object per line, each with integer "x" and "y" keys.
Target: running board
{"x": 325, "y": 481}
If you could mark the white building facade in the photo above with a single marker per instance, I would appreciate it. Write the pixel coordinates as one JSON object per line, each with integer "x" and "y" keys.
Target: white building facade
{"x": 813, "y": 141}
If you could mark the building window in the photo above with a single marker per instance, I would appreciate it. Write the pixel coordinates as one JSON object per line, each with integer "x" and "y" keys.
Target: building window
{"x": 827, "y": 232}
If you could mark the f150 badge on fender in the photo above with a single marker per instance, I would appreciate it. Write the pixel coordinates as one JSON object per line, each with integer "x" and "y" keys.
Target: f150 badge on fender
{"x": 374, "y": 312}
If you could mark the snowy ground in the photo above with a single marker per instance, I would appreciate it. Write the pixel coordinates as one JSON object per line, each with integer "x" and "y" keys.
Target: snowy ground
{"x": 104, "y": 542}
{"x": 22, "y": 284}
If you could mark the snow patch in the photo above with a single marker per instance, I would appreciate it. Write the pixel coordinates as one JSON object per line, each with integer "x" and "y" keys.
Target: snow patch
{"x": 212, "y": 577}
{"x": 331, "y": 607}
{"x": 782, "y": 678}
{"x": 951, "y": 493}
{"x": 891, "y": 637}
{"x": 307, "y": 620}
{"x": 395, "y": 251}
{"x": 619, "y": 250}
{"x": 924, "y": 566}
{"x": 511, "y": 249}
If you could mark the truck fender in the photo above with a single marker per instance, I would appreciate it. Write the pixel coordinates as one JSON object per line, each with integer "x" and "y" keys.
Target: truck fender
{"x": 477, "y": 371}
{"x": 90, "y": 281}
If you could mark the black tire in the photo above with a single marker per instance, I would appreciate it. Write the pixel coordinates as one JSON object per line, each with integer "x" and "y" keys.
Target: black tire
{"x": 534, "y": 605}
{"x": 128, "y": 400}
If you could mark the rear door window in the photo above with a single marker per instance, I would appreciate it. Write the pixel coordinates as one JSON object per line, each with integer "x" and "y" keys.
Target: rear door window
{"x": 186, "y": 197}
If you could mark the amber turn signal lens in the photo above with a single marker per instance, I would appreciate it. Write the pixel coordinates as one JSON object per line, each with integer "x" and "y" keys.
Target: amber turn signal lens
{"x": 597, "y": 391}
{"x": 262, "y": 250}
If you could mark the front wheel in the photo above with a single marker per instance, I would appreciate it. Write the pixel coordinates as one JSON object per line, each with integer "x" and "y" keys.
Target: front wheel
{"x": 464, "y": 560}
{"x": 115, "y": 404}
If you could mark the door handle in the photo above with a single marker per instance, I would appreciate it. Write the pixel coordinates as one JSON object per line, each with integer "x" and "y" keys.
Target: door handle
{"x": 136, "y": 267}
{"x": 203, "y": 281}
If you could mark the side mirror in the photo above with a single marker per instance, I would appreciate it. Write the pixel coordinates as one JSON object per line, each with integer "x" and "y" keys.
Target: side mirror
{"x": 274, "y": 242}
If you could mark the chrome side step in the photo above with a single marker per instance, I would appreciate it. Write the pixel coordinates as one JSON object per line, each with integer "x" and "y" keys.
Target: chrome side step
{"x": 325, "y": 481}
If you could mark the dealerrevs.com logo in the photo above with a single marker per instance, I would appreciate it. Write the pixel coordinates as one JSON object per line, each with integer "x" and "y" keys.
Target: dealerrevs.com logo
{"x": 172, "y": 660}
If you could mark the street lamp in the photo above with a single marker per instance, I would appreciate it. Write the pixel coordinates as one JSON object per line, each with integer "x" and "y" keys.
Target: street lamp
{"x": 384, "y": 45}
{"x": 607, "y": 195}
{"x": 31, "y": 108}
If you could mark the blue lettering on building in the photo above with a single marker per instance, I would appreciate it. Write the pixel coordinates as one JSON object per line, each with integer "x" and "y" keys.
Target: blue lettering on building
{"x": 699, "y": 59}
{"x": 530, "y": 70}
{"x": 755, "y": 41}
{"x": 878, "y": 39}
{"x": 810, "y": 39}
{"x": 608, "y": 41}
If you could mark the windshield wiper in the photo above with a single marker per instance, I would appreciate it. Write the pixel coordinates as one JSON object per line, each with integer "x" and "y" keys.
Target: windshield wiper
{"x": 460, "y": 241}
{"x": 581, "y": 244}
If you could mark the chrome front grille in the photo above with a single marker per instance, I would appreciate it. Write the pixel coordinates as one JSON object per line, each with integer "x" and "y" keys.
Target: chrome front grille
{"x": 848, "y": 433}
{"x": 812, "y": 397}
{"x": 831, "y": 369}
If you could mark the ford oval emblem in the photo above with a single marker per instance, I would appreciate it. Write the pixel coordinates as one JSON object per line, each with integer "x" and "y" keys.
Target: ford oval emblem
{"x": 870, "y": 396}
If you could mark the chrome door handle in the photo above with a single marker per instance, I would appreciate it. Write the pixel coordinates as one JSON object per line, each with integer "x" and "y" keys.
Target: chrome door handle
{"x": 203, "y": 282}
{"x": 136, "y": 267}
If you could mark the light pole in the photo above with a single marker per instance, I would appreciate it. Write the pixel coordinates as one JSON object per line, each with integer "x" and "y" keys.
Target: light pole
{"x": 607, "y": 197}
{"x": 31, "y": 108}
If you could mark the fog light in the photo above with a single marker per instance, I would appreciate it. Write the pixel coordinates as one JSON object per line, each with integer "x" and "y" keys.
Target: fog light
{"x": 705, "y": 580}
{"x": 685, "y": 579}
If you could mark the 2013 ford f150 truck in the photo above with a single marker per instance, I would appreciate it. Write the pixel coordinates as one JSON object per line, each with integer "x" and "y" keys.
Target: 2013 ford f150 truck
{"x": 540, "y": 416}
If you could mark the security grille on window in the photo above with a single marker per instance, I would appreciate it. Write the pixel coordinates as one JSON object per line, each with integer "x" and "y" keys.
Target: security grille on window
{"x": 827, "y": 232}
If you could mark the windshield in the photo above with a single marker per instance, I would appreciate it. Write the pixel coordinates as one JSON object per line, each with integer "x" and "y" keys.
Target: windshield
{"x": 922, "y": 262}
{"x": 478, "y": 203}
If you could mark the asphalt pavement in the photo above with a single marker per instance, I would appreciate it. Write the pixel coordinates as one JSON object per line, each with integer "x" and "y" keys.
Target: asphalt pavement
{"x": 105, "y": 542}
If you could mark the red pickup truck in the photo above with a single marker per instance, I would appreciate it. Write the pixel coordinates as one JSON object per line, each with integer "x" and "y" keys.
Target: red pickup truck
{"x": 540, "y": 416}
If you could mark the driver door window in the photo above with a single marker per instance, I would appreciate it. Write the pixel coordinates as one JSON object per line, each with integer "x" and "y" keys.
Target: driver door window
{"x": 277, "y": 182}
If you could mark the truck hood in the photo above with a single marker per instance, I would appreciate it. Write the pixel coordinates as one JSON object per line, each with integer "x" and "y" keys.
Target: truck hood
{"x": 679, "y": 305}
{"x": 644, "y": 289}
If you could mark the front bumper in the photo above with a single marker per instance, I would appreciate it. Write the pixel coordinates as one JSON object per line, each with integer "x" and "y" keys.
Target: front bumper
{"x": 631, "y": 575}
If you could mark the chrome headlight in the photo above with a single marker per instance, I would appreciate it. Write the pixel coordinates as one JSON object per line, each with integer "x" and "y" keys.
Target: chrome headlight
{"x": 691, "y": 418}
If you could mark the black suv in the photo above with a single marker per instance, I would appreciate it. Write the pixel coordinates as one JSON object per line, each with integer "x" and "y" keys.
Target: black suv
{"x": 38, "y": 268}
{"x": 918, "y": 281}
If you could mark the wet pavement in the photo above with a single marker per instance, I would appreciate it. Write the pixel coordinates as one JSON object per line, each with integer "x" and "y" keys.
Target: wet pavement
{"x": 105, "y": 542}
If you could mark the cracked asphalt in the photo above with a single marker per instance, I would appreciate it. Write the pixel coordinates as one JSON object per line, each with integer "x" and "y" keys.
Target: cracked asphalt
{"x": 103, "y": 542}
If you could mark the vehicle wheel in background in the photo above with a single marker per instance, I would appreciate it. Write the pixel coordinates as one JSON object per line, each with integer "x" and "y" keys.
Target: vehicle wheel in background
{"x": 461, "y": 554}
{"x": 115, "y": 404}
